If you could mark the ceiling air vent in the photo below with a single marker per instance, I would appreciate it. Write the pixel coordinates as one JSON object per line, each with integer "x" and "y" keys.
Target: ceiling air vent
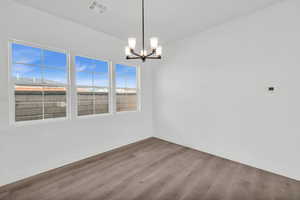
{"x": 97, "y": 7}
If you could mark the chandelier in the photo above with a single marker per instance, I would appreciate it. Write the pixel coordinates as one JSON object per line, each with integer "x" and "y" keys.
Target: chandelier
{"x": 155, "y": 52}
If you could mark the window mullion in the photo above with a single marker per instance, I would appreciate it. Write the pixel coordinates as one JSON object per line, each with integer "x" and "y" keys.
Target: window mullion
{"x": 43, "y": 86}
{"x": 126, "y": 92}
{"x": 94, "y": 97}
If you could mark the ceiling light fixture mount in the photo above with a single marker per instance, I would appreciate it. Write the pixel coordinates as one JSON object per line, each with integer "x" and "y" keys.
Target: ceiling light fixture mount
{"x": 97, "y": 7}
{"x": 156, "y": 50}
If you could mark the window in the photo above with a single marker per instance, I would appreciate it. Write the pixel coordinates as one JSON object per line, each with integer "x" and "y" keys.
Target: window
{"x": 40, "y": 80}
{"x": 93, "y": 86}
{"x": 126, "y": 88}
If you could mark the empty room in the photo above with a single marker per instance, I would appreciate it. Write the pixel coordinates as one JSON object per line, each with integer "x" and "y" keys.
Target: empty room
{"x": 149, "y": 100}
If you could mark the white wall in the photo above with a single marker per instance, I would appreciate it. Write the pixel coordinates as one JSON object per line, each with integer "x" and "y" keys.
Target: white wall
{"x": 211, "y": 92}
{"x": 28, "y": 150}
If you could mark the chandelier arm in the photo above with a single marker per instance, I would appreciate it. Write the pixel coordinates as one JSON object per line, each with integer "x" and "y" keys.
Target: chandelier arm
{"x": 150, "y": 54}
{"x": 134, "y": 53}
{"x": 131, "y": 58}
{"x": 156, "y": 57}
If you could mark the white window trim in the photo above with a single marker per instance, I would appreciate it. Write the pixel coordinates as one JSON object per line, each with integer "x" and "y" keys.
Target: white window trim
{"x": 11, "y": 91}
{"x": 138, "y": 79}
{"x": 74, "y": 84}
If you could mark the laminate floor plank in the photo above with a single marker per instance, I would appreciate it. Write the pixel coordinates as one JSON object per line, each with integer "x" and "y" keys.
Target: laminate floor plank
{"x": 154, "y": 169}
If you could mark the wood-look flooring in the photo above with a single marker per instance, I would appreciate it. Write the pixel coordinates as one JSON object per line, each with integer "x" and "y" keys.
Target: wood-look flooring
{"x": 154, "y": 169}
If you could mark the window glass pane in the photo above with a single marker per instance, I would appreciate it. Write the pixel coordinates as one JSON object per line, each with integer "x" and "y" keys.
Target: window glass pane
{"x": 55, "y": 77}
{"x": 126, "y": 101}
{"x": 26, "y": 74}
{"x": 125, "y": 76}
{"x": 55, "y": 59}
{"x": 101, "y": 100}
{"x": 92, "y": 82}
{"x": 55, "y": 100}
{"x": 28, "y": 103}
{"x": 85, "y": 101}
{"x": 26, "y": 55}
{"x": 126, "y": 88}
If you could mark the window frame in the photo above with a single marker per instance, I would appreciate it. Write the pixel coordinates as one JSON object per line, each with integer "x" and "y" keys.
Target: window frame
{"x": 138, "y": 88}
{"x": 11, "y": 89}
{"x": 110, "y": 90}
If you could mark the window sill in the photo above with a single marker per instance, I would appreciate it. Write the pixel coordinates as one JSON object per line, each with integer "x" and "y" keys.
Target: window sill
{"x": 127, "y": 112}
{"x": 93, "y": 116}
{"x": 37, "y": 122}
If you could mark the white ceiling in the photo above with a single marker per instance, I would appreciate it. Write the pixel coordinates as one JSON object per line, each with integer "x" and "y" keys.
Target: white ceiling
{"x": 167, "y": 19}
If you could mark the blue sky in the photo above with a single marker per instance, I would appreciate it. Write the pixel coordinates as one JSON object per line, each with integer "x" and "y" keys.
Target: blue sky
{"x": 89, "y": 72}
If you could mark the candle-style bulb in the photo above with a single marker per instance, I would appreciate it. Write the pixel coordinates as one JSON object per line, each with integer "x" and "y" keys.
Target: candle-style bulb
{"x": 154, "y": 42}
{"x": 131, "y": 43}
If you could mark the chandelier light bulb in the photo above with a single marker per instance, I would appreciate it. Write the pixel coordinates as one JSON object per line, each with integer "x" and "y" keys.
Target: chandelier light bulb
{"x": 131, "y": 43}
{"x": 127, "y": 51}
{"x": 159, "y": 51}
{"x": 154, "y": 42}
